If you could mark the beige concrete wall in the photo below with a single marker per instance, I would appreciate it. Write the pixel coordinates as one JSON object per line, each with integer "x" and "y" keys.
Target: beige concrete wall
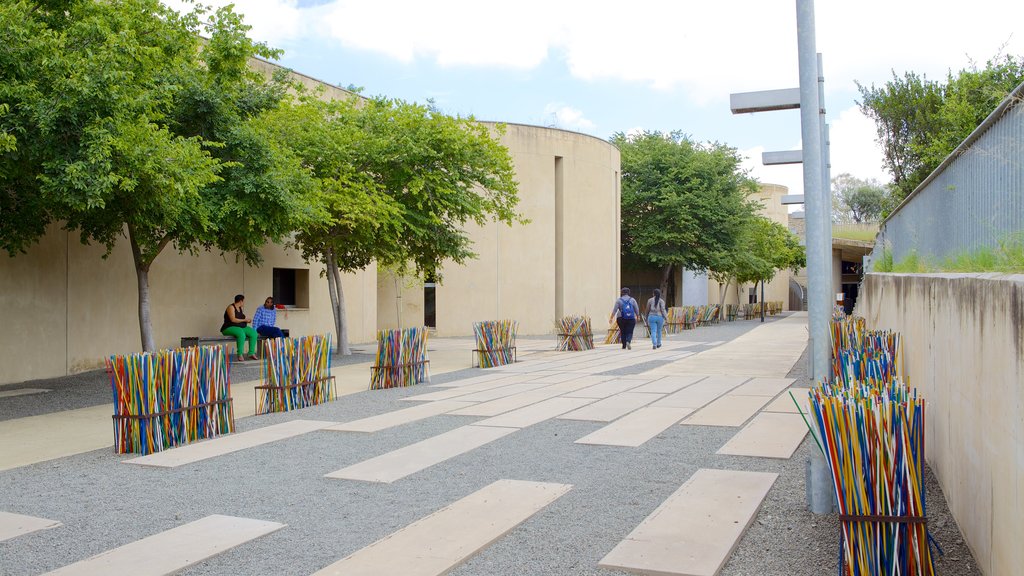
{"x": 518, "y": 273}
{"x": 68, "y": 308}
{"x": 964, "y": 351}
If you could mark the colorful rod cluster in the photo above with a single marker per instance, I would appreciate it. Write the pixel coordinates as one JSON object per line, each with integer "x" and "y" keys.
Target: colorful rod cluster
{"x": 688, "y": 317}
{"x": 401, "y": 359}
{"x": 169, "y": 398}
{"x": 574, "y": 333}
{"x": 295, "y": 373}
{"x": 871, "y": 431}
{"x": 495, "y": 342}
{"x": 862, "y": 355}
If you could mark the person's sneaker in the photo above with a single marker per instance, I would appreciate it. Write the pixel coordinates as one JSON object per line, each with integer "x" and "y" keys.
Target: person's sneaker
{"x": 629, "y": 345}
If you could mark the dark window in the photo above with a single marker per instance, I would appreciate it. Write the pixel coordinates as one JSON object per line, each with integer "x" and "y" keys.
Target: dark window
{"x": 430, "y": 304}
{"x": 291, "y": 287}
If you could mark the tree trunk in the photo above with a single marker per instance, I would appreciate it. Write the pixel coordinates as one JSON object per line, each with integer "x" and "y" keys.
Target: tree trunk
{"x": 142, "y": 275}
{"x": 721, "y": 297}
{"x": 398, "y": 300}
{"x": 762, "y": 300}
{"x": 343, "y": 322}
{"x": 666, "y": 275}
{"x": 337, "y": 303}
{"x": 145, "y": 325}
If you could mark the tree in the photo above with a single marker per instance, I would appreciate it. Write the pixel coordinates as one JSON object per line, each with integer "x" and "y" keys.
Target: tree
{"x": 683, "y": 203}
{"x": 920, "y": 122}
{"x": 857, "y": 200}
{"x": 400, "y": 181}
{"x": 132, "y": 131}
{"x": 766, "y": 248}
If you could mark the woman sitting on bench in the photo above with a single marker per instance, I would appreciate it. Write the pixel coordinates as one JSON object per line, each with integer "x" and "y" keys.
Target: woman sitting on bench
{"x": 236, "y": 326}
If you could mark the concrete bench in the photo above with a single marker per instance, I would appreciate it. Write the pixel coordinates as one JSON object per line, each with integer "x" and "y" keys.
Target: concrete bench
{"x": 187, "y": 341}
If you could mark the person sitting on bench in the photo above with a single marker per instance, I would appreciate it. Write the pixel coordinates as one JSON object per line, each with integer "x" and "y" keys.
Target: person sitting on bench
{"x": 236, "y": 326}
{"x": 265, "y": 318}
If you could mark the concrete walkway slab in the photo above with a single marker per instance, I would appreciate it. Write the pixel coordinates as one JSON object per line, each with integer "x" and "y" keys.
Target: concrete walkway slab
{"x": 609, "y": 388}
{"x": 535, "y": 413}
{"x": 769, "y": 435}
{"x": 494, "y": 394}
{"x": 612, "y": 407}
{"x": 763, "y": 387}
{"x": 704, "y": 391}
{"x": 14, "y": 525}
{"x": 506, "y": 404}
{"x": 22, "y": 392}
{"x": 173, "y": 550}
{"x": 636, "y": 427}
{"x": 455, "y": 392}
{"x": 400, "y": 463}
{"x": 399, "y": 417}
{"x": 440, "y": 542}
{"x": 784, "y": 403}
{"x": 206, "y": 449}
{"x": 729, "y": 410}
{"x": 696, "y": 529}
{"x": 670, "y": 384}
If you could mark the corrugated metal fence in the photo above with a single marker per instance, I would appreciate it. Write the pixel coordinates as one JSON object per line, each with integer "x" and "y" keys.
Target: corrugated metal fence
{"x": 975, "y": 198}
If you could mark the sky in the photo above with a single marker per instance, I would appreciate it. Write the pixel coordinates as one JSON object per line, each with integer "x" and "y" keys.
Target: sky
{"x": 600, "y": 67}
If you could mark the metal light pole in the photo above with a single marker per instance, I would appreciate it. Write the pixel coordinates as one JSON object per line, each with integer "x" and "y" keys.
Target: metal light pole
{"x": 819, "y": 245}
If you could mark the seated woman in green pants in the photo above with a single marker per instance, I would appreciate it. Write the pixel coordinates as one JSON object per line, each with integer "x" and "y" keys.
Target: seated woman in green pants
{"x": 236, "y": 326}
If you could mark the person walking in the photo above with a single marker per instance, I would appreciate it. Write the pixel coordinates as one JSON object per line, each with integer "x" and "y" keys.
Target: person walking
{"x": 625, "y": 314}
{"x": 656, "y": 314}
{"x": 236, "y": 326}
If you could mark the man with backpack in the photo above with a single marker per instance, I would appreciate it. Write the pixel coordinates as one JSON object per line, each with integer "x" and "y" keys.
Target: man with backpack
{"x": 625, "y": 313}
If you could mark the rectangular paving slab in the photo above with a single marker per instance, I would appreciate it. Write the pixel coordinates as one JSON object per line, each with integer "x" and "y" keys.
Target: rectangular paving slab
{"x": 670, "y": 384}
{"x": 729, "y": 410}
{"x": 763, "y": 387}
{"x": 535, "y": 413}
{"x": 400, "y": 463}
{"x": 226, "y": 444}
{"x": 612, "y": 407}
{"x": 609, "y": 388}
{"x": 703, "y": 392}
{"x": 695, "y": 530}
{"x": 768, "y": 435}
{"x": 13, "y": 525}
{"x": 173, "y": 550}
{"x": 399, "y": 417}
{"x": 22, "y": 392}
{"x": 636, "y": 427}
{"x": 507, "y": 404}
{"x": 438, "y": 543}
{"x": 784, "y": 403}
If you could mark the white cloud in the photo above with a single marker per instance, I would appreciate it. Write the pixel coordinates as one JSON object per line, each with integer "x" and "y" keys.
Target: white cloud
{"x": 708, "y": 49}
{"x": 853, "y": 147}
{"x": 567, "y": 117}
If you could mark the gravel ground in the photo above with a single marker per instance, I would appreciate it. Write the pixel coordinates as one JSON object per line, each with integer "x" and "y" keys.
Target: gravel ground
{"x": 104, "y": 504}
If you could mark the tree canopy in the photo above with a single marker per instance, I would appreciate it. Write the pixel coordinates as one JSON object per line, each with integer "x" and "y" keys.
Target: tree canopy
{"x": 921, "y": 121}
{"x": 125, "y": 128}
{"x": 683, "y": 203}
{"x": 858, "y": 200}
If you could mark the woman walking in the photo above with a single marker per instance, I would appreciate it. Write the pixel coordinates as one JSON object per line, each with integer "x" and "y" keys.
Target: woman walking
{"x": 656, "y": 314}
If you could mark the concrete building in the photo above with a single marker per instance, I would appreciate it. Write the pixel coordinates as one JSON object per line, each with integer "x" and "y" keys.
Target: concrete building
{"x": 67, "y": 308}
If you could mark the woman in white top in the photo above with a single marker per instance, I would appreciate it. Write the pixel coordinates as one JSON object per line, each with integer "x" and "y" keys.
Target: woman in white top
{"x": 656, "y": 314}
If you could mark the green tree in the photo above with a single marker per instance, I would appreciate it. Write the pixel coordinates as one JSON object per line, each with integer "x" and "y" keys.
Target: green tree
{"x": 920, "y": 121}
{"x": 400, "y": 182}
{"x": 127, "y": 128}
{"x": 683, "y": 203}
{"x": 858, "y": 200}
{"x": 766, "y": 248}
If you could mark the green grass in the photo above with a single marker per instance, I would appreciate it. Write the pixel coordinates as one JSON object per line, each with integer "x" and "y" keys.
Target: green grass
{"x": 1007, "y": 258}
{"x": 861, "y": 232}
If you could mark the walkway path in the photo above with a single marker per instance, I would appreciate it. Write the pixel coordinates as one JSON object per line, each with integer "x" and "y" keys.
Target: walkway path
{"x": 565, "y": 463}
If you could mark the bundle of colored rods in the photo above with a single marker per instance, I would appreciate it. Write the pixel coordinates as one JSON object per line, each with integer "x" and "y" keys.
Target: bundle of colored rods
{"x": 170, "y": 397}
{"x": 401, "y": 359}
{"x": 871, "y": 432}
{"x": 575, "y": 334}
{"x": 675, "y": 320}
{"x": 495, "y": 340}
{"x": 297, "y": 373}
{"x": 863, "y": 355}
